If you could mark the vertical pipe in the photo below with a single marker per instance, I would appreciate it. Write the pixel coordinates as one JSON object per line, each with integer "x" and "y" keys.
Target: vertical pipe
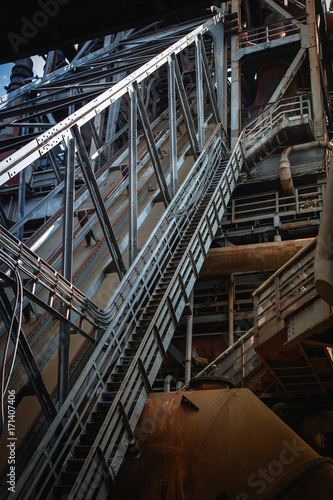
{"x": 133, "y": 199}
{"x": 67, "y": 270}
{"x": 317, "y": 103}
{"x": 199, "y": 87}
{"x": 235, "y": 81}
{"x": 231, "y": 310}
{"x": 188, "y": 353}
{"x": 172, "y": 126}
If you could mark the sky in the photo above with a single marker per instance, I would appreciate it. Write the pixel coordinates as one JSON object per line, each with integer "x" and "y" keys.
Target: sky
{"x": 6, "y": 69}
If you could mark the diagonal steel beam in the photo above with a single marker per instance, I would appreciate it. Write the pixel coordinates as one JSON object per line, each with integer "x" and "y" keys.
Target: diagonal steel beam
{"x": 98, "y": 202}
{"x": 210, "y": 86}
{"x": 28, "y": 359}
{"x": 289, "y": 75}
{"x": 186, "y": 109}
{"x": 155, "y": 159}
{"x": 200, "y": 94}
{"x": 282, "y": 12}
{"x": 172, "y": 126}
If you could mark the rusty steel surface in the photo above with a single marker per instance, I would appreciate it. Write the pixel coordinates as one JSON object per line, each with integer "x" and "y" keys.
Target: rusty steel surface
{"x": 254, "y": 257}
{"x": 222, "y": 443}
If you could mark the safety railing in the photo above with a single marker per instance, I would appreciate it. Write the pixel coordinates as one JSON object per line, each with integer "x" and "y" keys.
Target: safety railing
{"x": 55, "y": 286}
{"x": 286, "y": 112}
{"x": 305, "y": 200}
{"x": 237, "y": 363}
{"x": 269, "y": 33}
{"x": 290, "y": 288}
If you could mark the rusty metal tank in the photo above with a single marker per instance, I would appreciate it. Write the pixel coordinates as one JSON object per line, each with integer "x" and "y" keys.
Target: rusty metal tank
{"x": 219, "y": 444}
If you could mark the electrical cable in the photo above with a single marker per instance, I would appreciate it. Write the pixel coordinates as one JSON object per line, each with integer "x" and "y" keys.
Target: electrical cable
{"x": 18, "y": 303}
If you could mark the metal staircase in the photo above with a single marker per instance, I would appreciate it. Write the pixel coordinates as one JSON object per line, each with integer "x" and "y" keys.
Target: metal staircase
{"x": 92, "y": 439}
{"x": 148, "y": 305}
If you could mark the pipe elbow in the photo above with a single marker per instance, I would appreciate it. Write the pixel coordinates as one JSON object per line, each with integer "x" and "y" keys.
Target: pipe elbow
{"x": 285, "y": 175}
{"x": 167, "y": 382}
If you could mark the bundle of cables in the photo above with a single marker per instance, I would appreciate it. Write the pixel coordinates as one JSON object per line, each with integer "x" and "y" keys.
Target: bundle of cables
{"x": 14, "y": 329}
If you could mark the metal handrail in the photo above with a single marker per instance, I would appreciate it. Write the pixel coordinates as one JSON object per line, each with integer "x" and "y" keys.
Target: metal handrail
{"x": 287, "y": 290}
{"x": 277, "y": 116}
{"x": 264, "y": 34}
{"x": 237, "y": 362}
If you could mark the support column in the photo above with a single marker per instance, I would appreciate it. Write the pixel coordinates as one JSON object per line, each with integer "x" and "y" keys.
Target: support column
{"x": 235, "y": 81}
{"x": 21, "y": 198}
{"x": 21, "y": 203}
{"x": 221, "y": 69}
{"x": 200, "y": 101}
{"x": 231, "y": 310}
{"x": 189, "y": 333}
{"x": 67, "y": 271}
{"x": 132, "y": 173}
{"x": 172, "y": 126}
{"x": 313, "y": 47}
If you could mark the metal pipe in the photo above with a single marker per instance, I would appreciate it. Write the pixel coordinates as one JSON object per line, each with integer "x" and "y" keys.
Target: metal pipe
{"x": 231, "y": 310}
{"x": 167, "y": 382}
{"x": 189, "y": 332}
{"x": 254, "y": 257}
{"x": 284, "y": 165}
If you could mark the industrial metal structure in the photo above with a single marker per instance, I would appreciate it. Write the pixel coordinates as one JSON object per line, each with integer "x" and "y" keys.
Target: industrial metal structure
{"x": 165, "y": 204}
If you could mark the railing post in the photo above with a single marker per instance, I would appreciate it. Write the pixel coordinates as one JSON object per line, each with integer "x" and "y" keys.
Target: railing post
{"x": 277, "y": 298}
{"x": 243, "y": 364}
